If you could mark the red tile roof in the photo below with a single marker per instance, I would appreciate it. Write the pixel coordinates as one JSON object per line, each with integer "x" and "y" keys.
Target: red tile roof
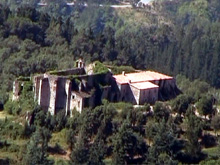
{"x": 142, "y": 76}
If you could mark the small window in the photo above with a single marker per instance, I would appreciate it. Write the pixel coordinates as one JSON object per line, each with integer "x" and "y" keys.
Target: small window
{"x": 73, "y": 96}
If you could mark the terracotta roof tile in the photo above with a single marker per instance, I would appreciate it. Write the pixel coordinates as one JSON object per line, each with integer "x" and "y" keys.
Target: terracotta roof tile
{"x": 142, "y": 76}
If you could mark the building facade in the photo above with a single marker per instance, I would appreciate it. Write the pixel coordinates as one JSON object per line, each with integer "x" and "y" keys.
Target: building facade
{"x": 145, "y": 87}
{"x": 75, "y": 89}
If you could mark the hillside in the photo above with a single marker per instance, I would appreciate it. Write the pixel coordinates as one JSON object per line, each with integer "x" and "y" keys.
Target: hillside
{"x": 179, "y": 38}
{"x": 170, "y": 36}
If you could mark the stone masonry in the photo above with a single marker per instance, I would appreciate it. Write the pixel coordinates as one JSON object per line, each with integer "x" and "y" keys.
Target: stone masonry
{"x": 71, "y": 89}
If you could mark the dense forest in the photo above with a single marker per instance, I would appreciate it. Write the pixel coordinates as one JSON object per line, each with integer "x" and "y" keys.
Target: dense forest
{"x": 179, "y": 37}
{"x": 175, "y": 37}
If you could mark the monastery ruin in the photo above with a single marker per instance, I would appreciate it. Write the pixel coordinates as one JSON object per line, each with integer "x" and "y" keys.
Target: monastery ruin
{"x": 79, "y": 88}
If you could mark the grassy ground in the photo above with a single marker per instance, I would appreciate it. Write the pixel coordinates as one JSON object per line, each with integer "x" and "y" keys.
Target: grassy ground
{"x": 4, "y": 114}
{"x": 58, "y": 160}
{"x": 108, "y": 161}
{"x": 211, "y": 151}
{"x": 59, "y": 138}
{"x": 120, "y": 106}
{"x": 13, "y": 157}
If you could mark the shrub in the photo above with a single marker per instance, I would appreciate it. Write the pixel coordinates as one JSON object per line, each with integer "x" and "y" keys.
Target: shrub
{"x": 100, "y": 68}
{"x": 12, "y": 107}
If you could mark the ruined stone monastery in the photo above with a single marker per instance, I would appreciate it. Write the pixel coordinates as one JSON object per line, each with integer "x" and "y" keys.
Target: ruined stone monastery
{"x": 78, "y": 88}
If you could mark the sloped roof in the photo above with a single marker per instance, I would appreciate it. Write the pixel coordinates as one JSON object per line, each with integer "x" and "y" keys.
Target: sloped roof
{"x": 82, "y": 94}
{"x": 144, "y": 85}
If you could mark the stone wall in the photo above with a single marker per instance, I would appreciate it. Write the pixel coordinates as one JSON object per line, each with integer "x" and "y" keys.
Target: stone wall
{"x": 76, "y": 102}
{"x": 126, "y": 94}
{"x": 44, "y": 93}
{"x": 167, "y": 89}
{"x": 136, "y": 94}
{"x": 36, "y": 86}
{"x": 68, "y": 85}
{"x": 61, "y": 95}
{"x": 16, "y": 90}
{"x": 149, "y": 95}
{"x": 56, "y": 93}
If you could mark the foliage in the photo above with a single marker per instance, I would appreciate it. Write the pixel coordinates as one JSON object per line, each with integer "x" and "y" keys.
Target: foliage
{"x": 165, "y": 146}
{"x": 120, "y": 69}
{"x": 80, "y": 153}
{"x": 205, "y": 105}
{"x": 12, "y": 108}
{"x": 12, "y": 130}
{"x": 216, "y": 123}
{"x": 193, "y": 132}
{"x": 99, "y": 68}
{"x": 181, "y": 103}
{"x": 35, "y": 41}
{"x": 161, "y": 112}
{"x": 37, "y": 148}
{"x": 127, "y": 144}
{"x": 173, "y": 37}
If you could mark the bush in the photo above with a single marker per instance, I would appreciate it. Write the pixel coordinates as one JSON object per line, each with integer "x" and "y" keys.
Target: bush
{"x": 120, "y": 69}
{"x": 100, "y": 68}
{"x": 26, "y": 130}
{"x": 208, "y": 141}
{"x": 12, "y": 107}
{"x": 11, "y": 129}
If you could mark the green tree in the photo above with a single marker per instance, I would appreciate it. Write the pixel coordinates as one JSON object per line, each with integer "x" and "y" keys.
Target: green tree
{"x": 205, "y": 105}
{"x": 127, "y": 144}
{"x": 181, "y": 103}
{"x": 193, "y": 132}
{"x": 216, "y": 123}
{"x": 161, "y": 111}
{"x": 80, "y": 152}
{"x": 97, "y": 152}
{"x": 36, "y": 153}
{"x": 165, "y": 145}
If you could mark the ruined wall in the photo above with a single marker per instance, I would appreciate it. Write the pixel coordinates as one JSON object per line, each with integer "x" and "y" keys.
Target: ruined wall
{"x": 53, "y": 93}
{"x": 36, "y": 86}
{"x": 44, "y": 93}
{"x": 59, "y": 92}
{"x": 67, "y": 72}
{"x": 76, "y": 102}
{"x": 16, "y": 90}
{"x": 92, "y": 81}
{"x": 61, "y": 95}
{"x": 106, "y": 91}
{"x": 68, "y": 92}
{"x": 99, "y": 86}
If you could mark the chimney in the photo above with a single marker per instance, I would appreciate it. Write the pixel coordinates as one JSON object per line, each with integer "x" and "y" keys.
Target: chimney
{"x": 123, "y": 73}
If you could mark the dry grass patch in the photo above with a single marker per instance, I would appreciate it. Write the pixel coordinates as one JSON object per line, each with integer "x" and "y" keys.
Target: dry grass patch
{"x": 60, "y": 139}
{"x": 4, "y": 115}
